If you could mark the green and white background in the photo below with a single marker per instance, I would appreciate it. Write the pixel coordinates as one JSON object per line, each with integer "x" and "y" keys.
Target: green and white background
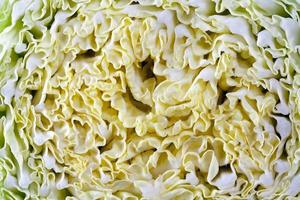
{"x": 149, "y": 99}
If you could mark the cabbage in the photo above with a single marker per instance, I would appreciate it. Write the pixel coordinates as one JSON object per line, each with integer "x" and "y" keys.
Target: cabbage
{"x": 149, "y": 99}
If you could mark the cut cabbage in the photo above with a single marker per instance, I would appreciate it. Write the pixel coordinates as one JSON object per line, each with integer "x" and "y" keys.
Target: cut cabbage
{"x": 163, "y": 99}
